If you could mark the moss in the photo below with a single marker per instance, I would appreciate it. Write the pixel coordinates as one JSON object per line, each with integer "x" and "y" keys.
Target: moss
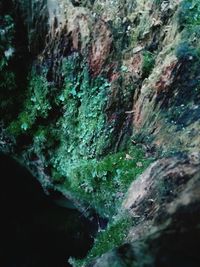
{"x": 82, "y": 128}
{"x": 108, "y": 239}
{"x": 185, "y": 51}
{"x": 148, "y": 63}
{"x": 35, "y": 106}
{"x": 103, "y": 183}
{"x": 114, "y": 236}
{"x": 189, "y": 21}
{"x": 158, "y": 2}
{"x": 74, "y": 145}
{"x": 189, "y": 13}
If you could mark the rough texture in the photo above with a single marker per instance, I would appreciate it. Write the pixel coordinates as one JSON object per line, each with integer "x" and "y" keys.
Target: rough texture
{"x": 166, "y": 212}
{"x": 106, "y": 87}
{"x": 157, "y": 192}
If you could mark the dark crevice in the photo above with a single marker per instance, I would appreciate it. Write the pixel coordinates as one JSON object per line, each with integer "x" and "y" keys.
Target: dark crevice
{"x": 35, "y": 229}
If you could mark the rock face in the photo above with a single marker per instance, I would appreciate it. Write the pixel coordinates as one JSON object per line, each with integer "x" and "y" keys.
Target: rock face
{"x": 153, "y": 201}
{"x": 103, "y": 78}
{"x": 164, "y": 202}
{"x": 35, "y": 17}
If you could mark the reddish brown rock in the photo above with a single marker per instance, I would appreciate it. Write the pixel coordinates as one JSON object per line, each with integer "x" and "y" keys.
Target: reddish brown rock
{"x": 157, "y": 192}
{"x": 100, "y": 47}
{"x": 166, "y": 78}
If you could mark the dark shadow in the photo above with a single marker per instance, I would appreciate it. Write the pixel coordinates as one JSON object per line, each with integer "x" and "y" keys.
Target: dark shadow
{"x": 34, "y": 231}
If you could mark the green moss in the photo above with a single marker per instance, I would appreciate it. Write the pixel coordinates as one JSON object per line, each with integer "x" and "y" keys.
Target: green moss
{"x": 35, "y": 106}
{"x": 112, "y": 237}
{"x": 108, "y": 239}
{"x": 158, "y": 2}
{"x": 148, "y": 63}
{"x": 185, "y": 51}
{"x": 82, "y": 128}
{"x": 189, "y": 21}
{"x": 189, "y": 13}
{"x": 80, "y": 159}
{"x": 103, "y": 183}
{"x": 74, "y": 144}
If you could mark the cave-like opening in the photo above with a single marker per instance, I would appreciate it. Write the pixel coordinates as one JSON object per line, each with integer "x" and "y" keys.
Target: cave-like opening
{"x": 34, "y": 230}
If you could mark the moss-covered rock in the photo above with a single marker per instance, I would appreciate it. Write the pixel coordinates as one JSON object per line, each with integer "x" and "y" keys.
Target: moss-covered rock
{"x": 106, "y": 86}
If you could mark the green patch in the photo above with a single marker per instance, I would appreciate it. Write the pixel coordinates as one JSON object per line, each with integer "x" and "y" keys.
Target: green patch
{"x": 185, "y": 51}
{"x": 104, "y": 183}
{"x": 148, "y": 63}
{"x": 189, "y": 13}
{"x": 158, "y": 2}
{"x": 108, "y": 239}
{"x": 74, "y": 144}
{"x": 82, "y": 128}
{"x": 35, "y": 106}
{"x": 189, "y": 48}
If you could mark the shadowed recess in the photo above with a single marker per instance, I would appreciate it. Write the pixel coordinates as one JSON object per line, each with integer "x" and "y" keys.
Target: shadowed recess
{"x": 34, "y": 230}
